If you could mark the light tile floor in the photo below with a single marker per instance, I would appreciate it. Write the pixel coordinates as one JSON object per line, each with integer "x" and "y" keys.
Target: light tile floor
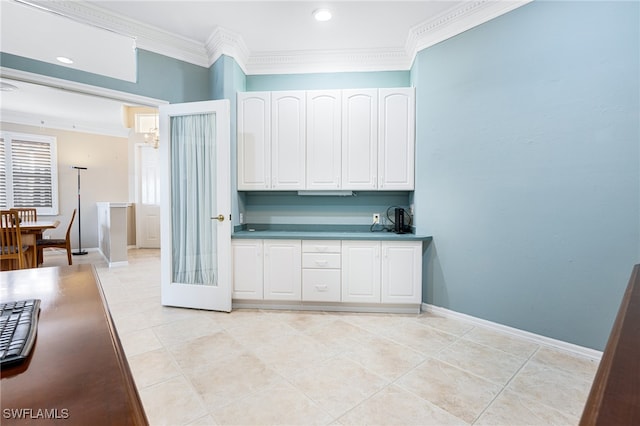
{"x": 258, "y": 367}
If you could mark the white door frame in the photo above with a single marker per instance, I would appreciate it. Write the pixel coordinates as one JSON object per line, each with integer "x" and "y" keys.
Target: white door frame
{"x": 210, "y": 297}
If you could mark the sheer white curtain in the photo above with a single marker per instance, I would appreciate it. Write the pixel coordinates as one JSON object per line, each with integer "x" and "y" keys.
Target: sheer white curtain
{"x": 193, "y": 183}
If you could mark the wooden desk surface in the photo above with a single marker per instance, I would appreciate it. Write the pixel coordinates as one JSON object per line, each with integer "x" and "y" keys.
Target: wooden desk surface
{"x": 77, "y": 372}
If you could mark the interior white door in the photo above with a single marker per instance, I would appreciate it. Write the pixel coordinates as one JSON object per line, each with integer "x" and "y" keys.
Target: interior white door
{"x": 148, "y": 197}
{"x": 196, "y": 205}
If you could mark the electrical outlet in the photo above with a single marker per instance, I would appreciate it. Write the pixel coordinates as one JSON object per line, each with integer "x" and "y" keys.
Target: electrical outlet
{"x": 241, "y": 218}
{"x": 376, "y": 218}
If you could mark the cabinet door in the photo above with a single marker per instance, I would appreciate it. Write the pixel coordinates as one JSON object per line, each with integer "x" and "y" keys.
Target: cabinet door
{"x": 361, "y": 271}
{"x": 282, "y": 270}
{"x": 402, "y": 272}
{"x": 254, "y": 141}
{"x": 288, "y": 125}
{"x": 248, "y": 269}
{"x": 396, "y": 144}
{"x": 360, "y": 139}
{"x": 323, "y": 139}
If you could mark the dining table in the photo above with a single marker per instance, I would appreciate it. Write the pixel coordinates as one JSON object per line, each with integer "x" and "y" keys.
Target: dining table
{"x": 31, "y": 231}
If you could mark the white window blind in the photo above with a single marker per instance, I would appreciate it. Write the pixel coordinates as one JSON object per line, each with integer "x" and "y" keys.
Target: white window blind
{"x": 3, "y": 176}
{"x": 28, "y": 175}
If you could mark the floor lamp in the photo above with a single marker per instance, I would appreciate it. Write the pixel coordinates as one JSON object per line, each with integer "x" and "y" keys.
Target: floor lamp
{"x": 79, "y": 251}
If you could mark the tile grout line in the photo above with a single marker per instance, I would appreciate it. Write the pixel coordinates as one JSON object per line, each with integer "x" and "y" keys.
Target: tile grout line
{"x": 504, "y": 387}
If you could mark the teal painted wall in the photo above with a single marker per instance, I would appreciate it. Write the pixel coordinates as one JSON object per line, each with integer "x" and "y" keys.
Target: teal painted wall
{"x": 287, "y": 207}
{"x": 528, "y": 167}
{"x": 158, "y": 77}
{"x": 227, "y": 79}
{"x": 347, "y": 80}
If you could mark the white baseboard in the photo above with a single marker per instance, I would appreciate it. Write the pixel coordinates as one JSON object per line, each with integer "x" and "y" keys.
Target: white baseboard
{"x": 112, "y": 264}
{"x": 327, "y": 306}
{"x": 532, "y": 337}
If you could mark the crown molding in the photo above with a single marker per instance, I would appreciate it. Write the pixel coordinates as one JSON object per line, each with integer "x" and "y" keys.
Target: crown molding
{"x": 225, "y": 42}
{"x": 303, "y": 62}
{"x": 453, "y": 22}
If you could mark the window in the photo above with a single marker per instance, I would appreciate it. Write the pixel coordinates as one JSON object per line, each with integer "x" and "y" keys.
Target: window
{"x": 28, "y": 172}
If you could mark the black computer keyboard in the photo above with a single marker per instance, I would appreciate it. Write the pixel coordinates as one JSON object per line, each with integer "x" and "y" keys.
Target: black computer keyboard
{"x": 18, "y": 328}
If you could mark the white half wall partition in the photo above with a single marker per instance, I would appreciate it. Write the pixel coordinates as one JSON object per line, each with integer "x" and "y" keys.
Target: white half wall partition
{"x": 112, "y": 232}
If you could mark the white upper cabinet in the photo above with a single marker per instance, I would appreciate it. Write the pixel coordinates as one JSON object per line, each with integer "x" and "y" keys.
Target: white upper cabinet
{"x": 356, "y": 139}
{"x": 323, "y": 139}
{"x": 288, "y": 129}
{"x": 396, "y": 139}
{"x": 360, "y": 139}
{"x": 254, "y": 140}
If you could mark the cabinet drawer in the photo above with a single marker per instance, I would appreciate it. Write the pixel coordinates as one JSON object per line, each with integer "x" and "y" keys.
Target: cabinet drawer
{"x": 321, "y": 285}
{"x": 321, "y": 246}
{"x": 321, "y": 260}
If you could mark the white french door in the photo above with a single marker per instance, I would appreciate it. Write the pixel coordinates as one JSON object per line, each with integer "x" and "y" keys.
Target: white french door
{"x": 196, "y": 205}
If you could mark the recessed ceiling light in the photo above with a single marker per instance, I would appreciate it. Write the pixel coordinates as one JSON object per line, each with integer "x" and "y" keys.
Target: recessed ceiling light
{"x": 64, "y": 60}
{"x": 322, "y": 15}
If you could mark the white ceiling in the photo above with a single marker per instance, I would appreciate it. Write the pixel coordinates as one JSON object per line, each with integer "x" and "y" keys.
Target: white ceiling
{"x": 263, "y": 36}
{"x": 268, "y": 26}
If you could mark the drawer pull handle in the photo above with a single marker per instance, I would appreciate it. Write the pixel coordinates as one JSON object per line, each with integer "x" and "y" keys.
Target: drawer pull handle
{"x": 322, "y": 262}
{"x": 321, "y": 288}
{"x": 322, "y": 248}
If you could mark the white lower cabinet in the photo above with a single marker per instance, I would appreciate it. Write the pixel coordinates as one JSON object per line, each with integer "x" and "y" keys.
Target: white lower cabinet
{"x": 361, "y": 271}
{"x": 248, "y": 269}
{"x": 401, "y": 272}
{"x": 282, "y": 270}
{"x": 386, "y": 272}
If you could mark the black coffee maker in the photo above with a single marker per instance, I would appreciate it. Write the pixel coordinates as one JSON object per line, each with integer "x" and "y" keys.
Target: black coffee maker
{"x": 400, "y": 224}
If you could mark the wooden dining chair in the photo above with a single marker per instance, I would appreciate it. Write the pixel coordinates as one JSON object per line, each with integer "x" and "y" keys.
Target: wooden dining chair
{"x": 11, "y": 247}
{"x": 26, "y": 214}
{"x": 65, "y": 243}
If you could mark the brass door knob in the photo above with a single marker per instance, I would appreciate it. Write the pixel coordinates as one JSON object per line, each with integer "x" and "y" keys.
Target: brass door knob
{"x": 220, "y": 218}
